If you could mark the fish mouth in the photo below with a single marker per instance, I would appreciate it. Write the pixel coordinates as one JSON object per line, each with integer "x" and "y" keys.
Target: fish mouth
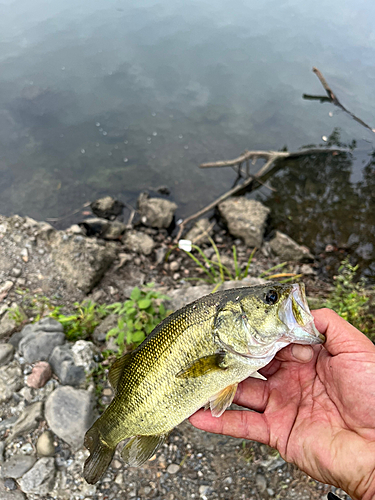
{"x": 294, "y": 312}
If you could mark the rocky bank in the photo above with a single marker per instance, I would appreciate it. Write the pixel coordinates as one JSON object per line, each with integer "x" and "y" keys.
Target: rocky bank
{"x": 48, "y": 397}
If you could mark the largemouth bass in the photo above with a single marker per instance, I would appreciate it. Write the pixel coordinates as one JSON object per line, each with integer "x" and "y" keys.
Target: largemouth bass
{"x": 195, "y": 357}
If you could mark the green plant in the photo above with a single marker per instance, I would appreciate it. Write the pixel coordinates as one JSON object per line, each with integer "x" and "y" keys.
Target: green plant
{"x": 138, "y": 316}
{"x": 216, "y": 272}
{"x": 351, "y": 300}
{"x": 82, "y": 322}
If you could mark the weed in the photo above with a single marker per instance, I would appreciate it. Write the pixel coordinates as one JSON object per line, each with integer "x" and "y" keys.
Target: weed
{"x": 216, "y": 272}
{"x": 351, "y": 300}
{"x": 138, "y": 316}
{"x": 83, "y": 321}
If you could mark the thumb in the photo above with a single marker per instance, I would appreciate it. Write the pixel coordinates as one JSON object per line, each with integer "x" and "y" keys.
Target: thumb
{"x": 297, "y": 353}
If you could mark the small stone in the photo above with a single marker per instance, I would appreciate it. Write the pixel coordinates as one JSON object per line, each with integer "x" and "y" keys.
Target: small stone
{"x": 25, "y": 255}
{"x": 174, "y": 266}
{"x": 44, "y": 445}
{"x": 173, "y": 468}
{"x": 139, "y": 242}
{"x": 28, "y": 420}
{"x": 107, "y": 207}
{"x": 7, "y": 324}
{"x": 200, "y": 232}
{"x": 176, "y": 276}
{"x": 119, "y": 479}
{"x": 48, "y": 325}
{"x": 5, "y": 289}
{"x": 156, "y": 212}
{"x": 83, "y": 355}
{"x": 116, "y": 464}
{"x": 39, "y": 479}
{"x": 17, "y": 466}
{"x": 307, "y": 270}
{"x": 2, "y": 448}
{"x": 261, "y": 483}
{"x": 16, "y": 272}
{"x": 69, "y": 413}
{"x": 287, "y": 249}
{"x": 107, "y": 392}
{"x": 6, "y": 354}
{"x": 107, "y": 324}
{"x": 270, "y": 492}
{"x": 40, "y": 375}
{"x": 203, "y": 489}
{"x": 11, "y": 380}
{"x": 10, "y": 484}
{"x": 8, "y": 493}
{"x": 62, "y": 363}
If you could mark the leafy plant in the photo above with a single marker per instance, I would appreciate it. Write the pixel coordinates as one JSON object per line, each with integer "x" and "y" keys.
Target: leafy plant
{"x": 138, "y": 316}
{"x": 351, "y": 300}
{"x": 83, "y": 321}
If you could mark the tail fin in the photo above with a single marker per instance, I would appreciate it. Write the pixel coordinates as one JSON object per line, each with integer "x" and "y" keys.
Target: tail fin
{"x": 100, "y": 456}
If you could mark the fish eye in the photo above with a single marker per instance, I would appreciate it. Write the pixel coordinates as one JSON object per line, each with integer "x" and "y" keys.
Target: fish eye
{"x": 271, "y": 297}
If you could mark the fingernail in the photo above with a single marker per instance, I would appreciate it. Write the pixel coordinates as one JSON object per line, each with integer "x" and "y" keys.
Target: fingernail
{"x": 302, "y": 353}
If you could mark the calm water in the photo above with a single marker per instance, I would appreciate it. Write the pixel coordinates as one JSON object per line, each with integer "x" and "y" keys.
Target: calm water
{"x": 114, "y": 97}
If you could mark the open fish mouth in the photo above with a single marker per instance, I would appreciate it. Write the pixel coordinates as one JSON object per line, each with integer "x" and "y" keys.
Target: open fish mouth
{"x": 294, "y": 312}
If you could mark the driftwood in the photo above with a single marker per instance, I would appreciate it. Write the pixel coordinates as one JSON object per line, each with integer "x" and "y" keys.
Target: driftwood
{"x": 331, "y": 97}
{"x": 251, "y": 181}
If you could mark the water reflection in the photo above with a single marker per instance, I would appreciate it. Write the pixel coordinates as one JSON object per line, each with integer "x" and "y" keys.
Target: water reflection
{"x": 317, "y": 203}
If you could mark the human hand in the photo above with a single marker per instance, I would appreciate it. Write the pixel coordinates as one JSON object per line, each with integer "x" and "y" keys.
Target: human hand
{"x": 317, "y": 407}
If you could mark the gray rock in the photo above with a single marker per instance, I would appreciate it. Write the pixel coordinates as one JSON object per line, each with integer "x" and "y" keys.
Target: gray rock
{"x": 5, "y": 494}
{"x": 81, "y": 261}
{"x": 2, "y": 448}
{"x": 103, "y": 228}
{"x": 38, "y": 345}
{"x": 107, "y": 207}
{"x": 11, "y": 380}
{"x": 245, "y": 219}
{"x": 44, "y": 445}
{"x": 69, "y": 413}
{"x": 287, "y": 249}
{"x": 7, "y": 325}
{"x": 100, "y": 332}
{"x": 15, "y": 339}
{"x": 199, "y": 233}
{"x": 6, "y": 353}
{"x": 17, "y": 465}
{"x": 173, "y": 468}
{"x": 261, "y": 483}
{"x": 48, "y": 325}
{"x": 83, "y": 355}
{"x": 39, "y": 479}
{"x": 138, "y": 242}
{"x": 62, "y": 363}
{"x": 28, "y": 420}
{"x": 156, "y": 212}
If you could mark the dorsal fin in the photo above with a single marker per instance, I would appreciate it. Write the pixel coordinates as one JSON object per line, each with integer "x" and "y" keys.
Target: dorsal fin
{"x": 117, "y": 370}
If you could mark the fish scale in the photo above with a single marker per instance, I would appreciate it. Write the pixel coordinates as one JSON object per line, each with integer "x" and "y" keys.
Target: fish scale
{"x": 196, "y": 356}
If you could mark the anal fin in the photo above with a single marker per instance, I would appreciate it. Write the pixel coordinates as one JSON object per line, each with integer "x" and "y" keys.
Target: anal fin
{"x": 220, "y": 401}
{"x": 141, "y": 448}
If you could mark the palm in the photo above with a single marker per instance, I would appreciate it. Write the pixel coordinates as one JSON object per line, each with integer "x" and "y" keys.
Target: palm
{"x": 318, "y": 415}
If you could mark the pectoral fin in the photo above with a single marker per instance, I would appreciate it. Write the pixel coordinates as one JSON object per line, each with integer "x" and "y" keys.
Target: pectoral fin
{"x": 220, "y": 401}
{"x": 141, "y": 448}
{"x": 117, "y": 369}
{"x": 205, "y": 365}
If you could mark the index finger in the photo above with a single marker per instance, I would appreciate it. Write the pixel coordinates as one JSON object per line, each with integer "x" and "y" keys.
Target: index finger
{"x": 341, "y": 336}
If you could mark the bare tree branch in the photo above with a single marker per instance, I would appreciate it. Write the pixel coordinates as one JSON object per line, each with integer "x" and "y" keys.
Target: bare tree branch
{"x": 252, "y": 180}
{"x": 333, "y": 98}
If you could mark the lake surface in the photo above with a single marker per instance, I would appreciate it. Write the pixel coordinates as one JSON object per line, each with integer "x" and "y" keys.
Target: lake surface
{"x": 116, "y": 97}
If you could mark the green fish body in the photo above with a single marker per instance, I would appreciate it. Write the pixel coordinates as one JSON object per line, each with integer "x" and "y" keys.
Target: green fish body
{"x": 194, "y": 358}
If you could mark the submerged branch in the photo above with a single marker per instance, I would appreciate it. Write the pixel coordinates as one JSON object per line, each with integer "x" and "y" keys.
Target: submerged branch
{"x": 252, "y": 181}
{"x": 333, "y": 98}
